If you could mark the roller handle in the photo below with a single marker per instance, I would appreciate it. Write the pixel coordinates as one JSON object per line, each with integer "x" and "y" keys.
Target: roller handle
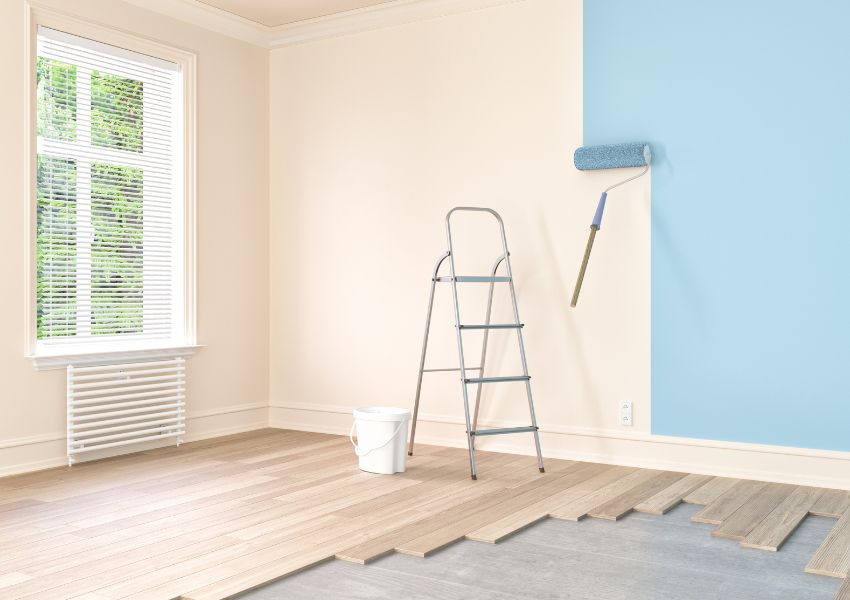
{"x": 594, "y": 227}
{"x": 600, "y": 208}
{"x": 593, "y": 230}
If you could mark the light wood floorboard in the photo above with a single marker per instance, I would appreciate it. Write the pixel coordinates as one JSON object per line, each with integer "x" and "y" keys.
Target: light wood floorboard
{"x": 844, "y": 590}
{"x": 711, "y": 491}
{"x": 625, "y": 502}
{"x": 833, "y": 556}
{"x": 832, "y": 503}
{"x": 578, "y": 509}
{"x": 728, "y": 503}
{"x": 772, "y": 532}
{"x": 669, "y": 498}
{"x": 753, "y": 511}
{"x": 215, "y": 518}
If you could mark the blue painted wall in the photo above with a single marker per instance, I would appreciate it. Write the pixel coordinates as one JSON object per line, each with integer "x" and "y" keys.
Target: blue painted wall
{"x": 747, "y": 106}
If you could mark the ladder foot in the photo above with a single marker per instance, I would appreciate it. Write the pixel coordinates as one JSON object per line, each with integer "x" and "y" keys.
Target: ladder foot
{"x": 542, "y": 470}
{"x": 474, "y": 477}
{"x": 410, "y": 453}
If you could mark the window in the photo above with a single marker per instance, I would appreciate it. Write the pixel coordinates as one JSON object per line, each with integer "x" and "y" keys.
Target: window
{"x": 110, "y": 249}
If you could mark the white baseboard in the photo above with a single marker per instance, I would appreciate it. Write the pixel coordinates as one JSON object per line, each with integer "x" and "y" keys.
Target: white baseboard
{"x": 800, "y": 466}
{"x": 24, "y": 455}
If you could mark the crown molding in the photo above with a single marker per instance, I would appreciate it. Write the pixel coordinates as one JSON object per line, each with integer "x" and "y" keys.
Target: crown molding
{"x": 211, "y": 18}
{"x": 387, "y": 14}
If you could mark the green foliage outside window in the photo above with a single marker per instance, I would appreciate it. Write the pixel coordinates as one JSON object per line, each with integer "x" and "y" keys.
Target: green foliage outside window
{"x": 117, "y": 263}
{"x": 117, "y": 112}
{"x": 56, "y": 93}
{"x": 56, "y": 247}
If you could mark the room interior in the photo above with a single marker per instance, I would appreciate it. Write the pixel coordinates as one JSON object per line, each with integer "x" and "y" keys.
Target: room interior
{"x": 221, "y": 229}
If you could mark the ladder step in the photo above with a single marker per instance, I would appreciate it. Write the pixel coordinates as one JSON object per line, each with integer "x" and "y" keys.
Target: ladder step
{"x": 496, "y": 379}
{"x": 502, "y": 430}
{"x": 497, "y": 326}
{"x": 474, "y": 279}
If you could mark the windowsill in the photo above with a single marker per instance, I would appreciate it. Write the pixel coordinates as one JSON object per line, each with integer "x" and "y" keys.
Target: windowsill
{"x": 62, "y": 358}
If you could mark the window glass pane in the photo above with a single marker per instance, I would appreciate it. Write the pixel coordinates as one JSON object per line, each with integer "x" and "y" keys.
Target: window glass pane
{"x": 117, "y": 208}
{"x": 56, "y": 247}
{"x": 117, "y": 112}
{"x": 109, "y": 213}
{"x": 56, "y": 96}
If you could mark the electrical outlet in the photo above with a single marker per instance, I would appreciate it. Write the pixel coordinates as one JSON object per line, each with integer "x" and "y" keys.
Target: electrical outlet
{"x": 626, "y": 413}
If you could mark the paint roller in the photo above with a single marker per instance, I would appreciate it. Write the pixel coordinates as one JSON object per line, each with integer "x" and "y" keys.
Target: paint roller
{"x": 609, "y": 156}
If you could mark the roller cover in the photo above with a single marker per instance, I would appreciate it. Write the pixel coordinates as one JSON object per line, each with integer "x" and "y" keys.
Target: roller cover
{"x": 611, "y": 156}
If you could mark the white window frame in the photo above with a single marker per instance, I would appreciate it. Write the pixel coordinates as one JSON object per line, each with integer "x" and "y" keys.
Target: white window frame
{"x": 61, "y": 357}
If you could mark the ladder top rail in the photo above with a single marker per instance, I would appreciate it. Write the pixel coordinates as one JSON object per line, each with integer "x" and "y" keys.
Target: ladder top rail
{"x": 474, "y": 209}
{"x": 505, "y": 255}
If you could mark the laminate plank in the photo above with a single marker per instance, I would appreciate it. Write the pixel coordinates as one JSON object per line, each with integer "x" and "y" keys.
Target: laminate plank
{"x": 578, "y": 509}
{"x": 9, "y": 507}
{"x": 753, "y": 511}
{"x": 669, "y": 498}
{"x": 429, "y": 481}
{"x": 254, "y": 577}
{"x": 833, "y": 556}
{"x": 519, "y": 498}
{"x": 844, "y": 590}
{"x": 190, "y": 519}
{"x": 195, "y": 492}
{"x": 372, "y": 549}
{"x": 727, "y": 503}
{"x": 314, "y": 449}
{"x": 711, "y": 491}
{"x": 113, "y": 552}
{"x": 285, "y": 560}
{"x": 216, "y": 517}
{"x": 99, "y": 574}
{"x": 623, "y": 504}
{"x": 290, "y": 515}
{"x": 777, "y": 527}
{"x": 833, "y": 503}
{"x": 212, "y": 567}
{"x": 193, "y": 508}
{"x": 580, "y": 483}
{"x": 9, "y": 579}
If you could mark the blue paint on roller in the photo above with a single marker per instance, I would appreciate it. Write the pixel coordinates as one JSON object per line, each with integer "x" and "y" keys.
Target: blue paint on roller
{"x": 611, "y": 156}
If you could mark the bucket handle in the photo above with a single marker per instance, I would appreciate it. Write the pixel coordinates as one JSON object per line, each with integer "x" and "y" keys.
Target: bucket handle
{"x": 364, "y": 451}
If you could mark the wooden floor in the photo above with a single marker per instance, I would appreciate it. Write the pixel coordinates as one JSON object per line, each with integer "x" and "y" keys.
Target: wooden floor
{"x": 215, "y": 518}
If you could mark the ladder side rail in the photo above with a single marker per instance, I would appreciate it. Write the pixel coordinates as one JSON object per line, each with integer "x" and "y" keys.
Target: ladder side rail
{"x": 522, "y": 350}
{"x": 459, "y": 333}
{"x": 484, "y": 347}
{"x": 428, "y": 313}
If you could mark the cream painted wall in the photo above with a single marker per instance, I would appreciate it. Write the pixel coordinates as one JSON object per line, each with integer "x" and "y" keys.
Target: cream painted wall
{"x": 325, "y": 171}
{"x": 228, "y": 389}
{"x": 373, "y": 138}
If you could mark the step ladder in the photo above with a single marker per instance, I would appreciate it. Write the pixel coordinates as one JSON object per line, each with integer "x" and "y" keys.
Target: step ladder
{"x": 466, "y": 380}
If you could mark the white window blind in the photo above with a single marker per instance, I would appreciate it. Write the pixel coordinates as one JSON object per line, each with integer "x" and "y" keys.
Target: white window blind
{"x": 109, "y": 247}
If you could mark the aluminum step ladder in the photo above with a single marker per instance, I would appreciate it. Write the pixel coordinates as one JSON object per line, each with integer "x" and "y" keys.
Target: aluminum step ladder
{"x": 472, "y": 430}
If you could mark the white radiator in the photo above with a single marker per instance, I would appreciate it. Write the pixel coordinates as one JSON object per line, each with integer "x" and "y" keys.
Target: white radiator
{"x": 119, "y": 405}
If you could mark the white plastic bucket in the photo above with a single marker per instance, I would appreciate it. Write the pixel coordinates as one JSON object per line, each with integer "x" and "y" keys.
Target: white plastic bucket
{"x": 381, "y": 438}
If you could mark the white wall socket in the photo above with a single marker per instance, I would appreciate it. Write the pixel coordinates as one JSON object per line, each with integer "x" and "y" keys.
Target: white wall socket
{"x": 626, "y": 413}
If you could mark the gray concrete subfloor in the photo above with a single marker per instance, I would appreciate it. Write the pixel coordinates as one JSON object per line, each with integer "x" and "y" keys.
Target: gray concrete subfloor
{"x": 641, "y": 557}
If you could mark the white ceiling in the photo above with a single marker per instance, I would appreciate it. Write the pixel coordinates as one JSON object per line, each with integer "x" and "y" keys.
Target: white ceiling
{"x": 280, "y": 12}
